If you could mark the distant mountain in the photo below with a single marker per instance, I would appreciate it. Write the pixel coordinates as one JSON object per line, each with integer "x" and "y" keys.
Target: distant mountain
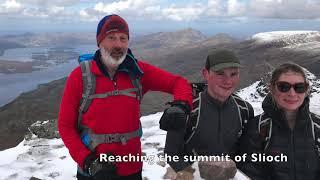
{"x": 163, "y": 43}
{"x": 65, "y": 39}
{"x": 257, "y": 57}
{"x": 7, "y": 44}
{"x": 169, "y": 39}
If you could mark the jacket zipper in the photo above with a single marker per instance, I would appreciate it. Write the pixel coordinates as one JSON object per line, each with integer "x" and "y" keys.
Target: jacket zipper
{"x": 293, "y": 163}
{"x": 219, "y": 126}
{"x": 114, "y": 79}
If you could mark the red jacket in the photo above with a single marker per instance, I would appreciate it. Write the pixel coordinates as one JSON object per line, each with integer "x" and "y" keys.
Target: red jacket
{"x": 115, "y": 114}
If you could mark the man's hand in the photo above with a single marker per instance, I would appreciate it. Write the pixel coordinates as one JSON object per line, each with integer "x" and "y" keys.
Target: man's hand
{"x": 99, "y": 170}
{"x": 175, "y": 117}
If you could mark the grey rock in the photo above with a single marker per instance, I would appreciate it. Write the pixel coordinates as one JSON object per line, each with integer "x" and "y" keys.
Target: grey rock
{"x": 45, "y": 129}
{"x": 217, "y": 170}
{"x": 34, "y": 178}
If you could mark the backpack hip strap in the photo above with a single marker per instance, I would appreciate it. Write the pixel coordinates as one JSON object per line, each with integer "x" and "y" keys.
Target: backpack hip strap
{"x": 96, "y": 139}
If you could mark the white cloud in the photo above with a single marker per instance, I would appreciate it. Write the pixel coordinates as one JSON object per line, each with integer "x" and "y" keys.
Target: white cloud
{"x": 124, "y": 5}
{"x": 115, "y": 7}
{"x": 223, "y": 8}
{"x": 56, "y": 10}
{"x": 93, "y": 10}
{"x": 128, "y": 8}
{"x": 186, "y": 13}
{"x": 10, "y": 6}
{"x": 285, "y": 9}
{"x": 236, "y": 8}
{"x": 46, "y": 3}
{"x": 215, "y": 7}
{"x": 33, "y": 9}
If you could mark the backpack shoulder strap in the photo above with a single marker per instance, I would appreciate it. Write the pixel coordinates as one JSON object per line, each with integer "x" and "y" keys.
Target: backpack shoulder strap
{"x": 136, "y": 81}
{"x": 265, "y": 129}
{"x": 193, "y": 119}
{"x": 89, "y": 86}
{"x": 197, "y": 88}
{"x": 315, "y": 126}
{"x": 244, "y": 110}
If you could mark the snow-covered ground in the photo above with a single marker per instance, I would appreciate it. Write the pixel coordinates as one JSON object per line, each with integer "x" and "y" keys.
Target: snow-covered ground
{"x": 49, "y": 159}
{"x": 295, "y": 40}
{"x": 276, "y": 35}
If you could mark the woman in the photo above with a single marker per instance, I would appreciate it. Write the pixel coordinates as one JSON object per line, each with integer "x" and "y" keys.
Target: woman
{"x": 284, "y": 131}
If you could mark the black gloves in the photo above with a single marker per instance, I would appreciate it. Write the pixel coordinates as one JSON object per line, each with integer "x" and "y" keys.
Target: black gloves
{"x": 175, "y": 117}
{"x": 99, "y": 170}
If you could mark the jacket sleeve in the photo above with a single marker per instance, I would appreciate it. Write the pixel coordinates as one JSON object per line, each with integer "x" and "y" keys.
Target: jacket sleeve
{"x": 68, "y": 117}
{"x": 251, "y": 142}
{"x": 156, "y": 79}
{"x": 176, "y": 149}
{"x": 316, "y": 120}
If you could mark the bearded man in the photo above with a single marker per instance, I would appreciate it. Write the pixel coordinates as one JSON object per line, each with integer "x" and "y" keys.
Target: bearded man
{"x": 110, "y": 126}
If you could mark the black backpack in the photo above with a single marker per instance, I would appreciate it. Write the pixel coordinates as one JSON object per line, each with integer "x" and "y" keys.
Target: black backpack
{"x": 245, "y": 113}
{"x": 265, "y": 130}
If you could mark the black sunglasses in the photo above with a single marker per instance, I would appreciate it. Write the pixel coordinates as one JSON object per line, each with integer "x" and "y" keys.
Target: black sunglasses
{"x": 283, "y": 86}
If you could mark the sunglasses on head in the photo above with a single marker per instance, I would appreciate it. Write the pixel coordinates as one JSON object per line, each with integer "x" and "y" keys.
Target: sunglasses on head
{"x": 283, "y": 86}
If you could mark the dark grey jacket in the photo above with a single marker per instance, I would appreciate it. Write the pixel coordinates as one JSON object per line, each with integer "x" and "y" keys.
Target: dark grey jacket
{"x": 217, "y": 132}
{"x": 297, "y": 144}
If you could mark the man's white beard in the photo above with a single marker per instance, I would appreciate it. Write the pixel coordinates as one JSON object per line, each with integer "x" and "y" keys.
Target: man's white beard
{"x": 109, "y": 61}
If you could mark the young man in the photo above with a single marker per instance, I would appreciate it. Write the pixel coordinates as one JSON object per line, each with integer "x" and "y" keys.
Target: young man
{"x": 218, "y": 118}
{"x": 114, "y": 82}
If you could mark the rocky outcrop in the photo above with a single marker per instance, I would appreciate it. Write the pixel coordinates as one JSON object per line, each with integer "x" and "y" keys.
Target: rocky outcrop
{"x": 44, "y": 129}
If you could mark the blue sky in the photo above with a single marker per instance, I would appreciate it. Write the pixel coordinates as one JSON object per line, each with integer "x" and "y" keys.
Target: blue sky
{"x": 236, "y": 17}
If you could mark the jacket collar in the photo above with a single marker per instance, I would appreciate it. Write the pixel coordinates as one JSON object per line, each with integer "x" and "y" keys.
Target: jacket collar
{"x": 130, "y": 64}
{"x": 215, "y": 101}
{"x": 271, "y": 109}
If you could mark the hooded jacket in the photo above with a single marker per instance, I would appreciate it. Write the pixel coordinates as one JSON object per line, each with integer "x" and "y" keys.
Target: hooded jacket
{"x": 298, "y": 145}
{"x": 114, "y": 114}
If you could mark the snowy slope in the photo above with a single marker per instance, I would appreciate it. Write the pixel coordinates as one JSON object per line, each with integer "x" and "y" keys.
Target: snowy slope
{"x": 49, "y": 159}
{"x": 297, "y": 40}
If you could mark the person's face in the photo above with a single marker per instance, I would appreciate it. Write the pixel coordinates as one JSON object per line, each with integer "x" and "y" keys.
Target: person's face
{"x": 115, "y": 44}
{"x": 290, "y": 100}
{"x": 221, "y": 84}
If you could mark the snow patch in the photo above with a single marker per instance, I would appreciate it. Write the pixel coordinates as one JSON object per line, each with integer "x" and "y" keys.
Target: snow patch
{"x": 277, "y": 35}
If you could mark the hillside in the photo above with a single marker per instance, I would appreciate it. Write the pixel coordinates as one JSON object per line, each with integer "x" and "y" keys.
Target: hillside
{"x": 258, "y": 57}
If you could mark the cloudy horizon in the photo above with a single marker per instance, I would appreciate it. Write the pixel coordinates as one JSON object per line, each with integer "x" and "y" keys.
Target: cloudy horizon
{"x": 240, "y": 17}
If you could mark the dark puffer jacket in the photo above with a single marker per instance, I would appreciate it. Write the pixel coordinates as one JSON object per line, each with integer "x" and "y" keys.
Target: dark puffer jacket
{"x": 298, "y": 145}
